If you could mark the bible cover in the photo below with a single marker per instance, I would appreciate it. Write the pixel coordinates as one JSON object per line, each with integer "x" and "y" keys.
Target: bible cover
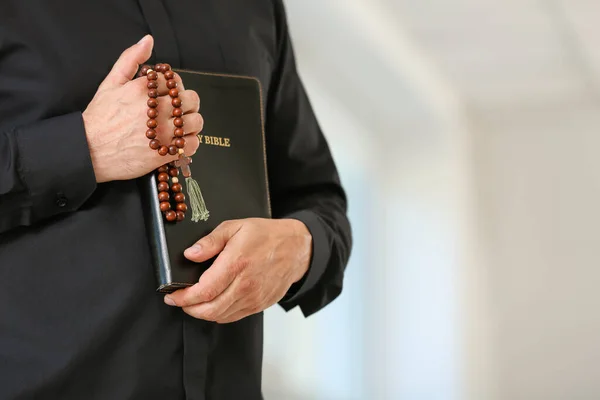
{"x": 230, "y": 167}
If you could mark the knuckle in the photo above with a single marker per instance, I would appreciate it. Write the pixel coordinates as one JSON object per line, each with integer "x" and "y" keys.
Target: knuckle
{"x": 194, "y": 100}
{"x": 208, "y": 241}
{"x": 207, "y": 295}
{"x": 239, "y": 265}
{"x": 248, "y": 286}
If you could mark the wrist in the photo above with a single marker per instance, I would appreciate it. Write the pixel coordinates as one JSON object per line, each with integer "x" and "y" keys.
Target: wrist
{"x": 91, "y": 135}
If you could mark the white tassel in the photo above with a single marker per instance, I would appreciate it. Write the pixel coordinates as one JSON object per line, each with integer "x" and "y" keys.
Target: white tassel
{"x": 199, "y": 210}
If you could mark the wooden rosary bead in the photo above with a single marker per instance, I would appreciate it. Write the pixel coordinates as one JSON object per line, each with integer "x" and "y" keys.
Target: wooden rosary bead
{"x": 165, "y": 206}
{"x": 154, "y": 144}
{"x": 162, "y": 186}
{"x": 170, "y": 170}
{"x": 171, "y": 216}
{"x": 180, "y": 143}
{"x": 163, "y": 196}
{"x": 163, "y": 150}
{"x": 144, "y": 70}
{"x": 163, "y": 177}
{"x": 179, "y": 197}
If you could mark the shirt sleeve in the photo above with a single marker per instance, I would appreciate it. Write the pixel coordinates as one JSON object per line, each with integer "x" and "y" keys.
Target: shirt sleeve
{"x": 45, "y": 170}
{"x": 304, "y": 180}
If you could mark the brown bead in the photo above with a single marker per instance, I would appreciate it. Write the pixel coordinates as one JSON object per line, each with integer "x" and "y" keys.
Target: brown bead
{"x": 171, "y": 84}
{"x": 180, "y": 143}
{"x": 144, "y": 70}
{"x": 163, "y": 168}
{"x": 165, "y": 206}
{"x": 180, "y": 197}
{"x": 178, "y": 122}
{"x": 173, "y": 172}
{"x": 152, "y": 123}
{"x": 176, "y": 187}
{"x": 163, "y": 151}
{"x": 152, "y": 85}
{"x": 166, "y": 67}
{"x": 158, "y": 68}
{"x": 151, "y": 134}
{"x": 163, "y": 196}
{"x": 176, "y": 102}
{"x": 182, "y": 207}
{"x": 173, "y": 92}
{"x": 177, "y": 112}
{"x": 171, "y": 216}
{"x": 163, "y": 177}
{"x": 152, "y": 76}
{"x": 152, "y": 103}
{"x": 162, "y": 186}
{"x": 169, "y": 75}
{"x": 154, "y": 144}
{"x": 153, "y": 93}
{"x": 152, "y": 113}
{"x": 172, "y": 150}
{"x": 180, "y": 216}
{"x": 179, "y": 132}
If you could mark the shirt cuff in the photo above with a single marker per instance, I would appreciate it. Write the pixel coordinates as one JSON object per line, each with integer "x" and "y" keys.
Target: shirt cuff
{"x": 55, "y": 164}
{"x": 320, "y": 257}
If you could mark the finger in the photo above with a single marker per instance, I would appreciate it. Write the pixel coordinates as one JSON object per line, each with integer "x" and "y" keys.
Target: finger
{"x": 215, "y": 309}
{"x": 192, "y": 123}
{"x": 190, "y": 103}
{"x": 164, "y": 86}
{"x": 213, "y": 243}
{"x": 209, "y": 287}
{"x": 128, "y": 63}
{"x": 239, "y": 315}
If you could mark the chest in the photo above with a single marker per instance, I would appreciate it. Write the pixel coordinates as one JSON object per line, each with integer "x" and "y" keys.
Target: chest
{"x": 53, "y": 55}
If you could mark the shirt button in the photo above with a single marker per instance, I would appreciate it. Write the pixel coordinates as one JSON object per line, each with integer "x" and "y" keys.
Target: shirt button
{"x": 61, "y": 200}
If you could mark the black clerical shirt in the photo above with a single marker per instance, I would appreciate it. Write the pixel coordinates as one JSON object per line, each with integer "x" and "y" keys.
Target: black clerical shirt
{"x": 79, "y": 315}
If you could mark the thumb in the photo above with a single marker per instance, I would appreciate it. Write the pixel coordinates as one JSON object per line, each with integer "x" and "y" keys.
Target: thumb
{"x": 213, "y": 243}
{"x": 128, "y": 63}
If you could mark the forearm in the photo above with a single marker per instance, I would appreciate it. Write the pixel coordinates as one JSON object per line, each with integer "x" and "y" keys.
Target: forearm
{"x": 46, "y": 170}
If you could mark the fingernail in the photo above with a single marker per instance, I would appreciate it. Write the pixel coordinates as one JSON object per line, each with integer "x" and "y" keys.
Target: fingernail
{"x": 194, "y": 250}
{"x": 143, "y": 39}
{"x": 169, "y": 301}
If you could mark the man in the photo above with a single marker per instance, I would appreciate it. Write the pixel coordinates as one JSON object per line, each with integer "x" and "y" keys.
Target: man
{"x": 79, "y": 315}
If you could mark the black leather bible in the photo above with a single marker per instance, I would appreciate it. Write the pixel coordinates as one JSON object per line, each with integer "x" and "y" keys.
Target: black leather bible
{"x": 230, "y": 167}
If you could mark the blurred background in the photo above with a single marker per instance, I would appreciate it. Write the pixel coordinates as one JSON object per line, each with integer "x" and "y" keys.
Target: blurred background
{"x": 466, "y": 134}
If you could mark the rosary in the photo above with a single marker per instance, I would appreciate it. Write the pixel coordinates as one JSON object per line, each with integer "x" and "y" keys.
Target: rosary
{"x": 171, "y": 197}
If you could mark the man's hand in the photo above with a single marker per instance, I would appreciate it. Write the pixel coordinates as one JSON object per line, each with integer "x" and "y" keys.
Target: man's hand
{"x": 258, "y": 260}
{"x": 115, "y": 120}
